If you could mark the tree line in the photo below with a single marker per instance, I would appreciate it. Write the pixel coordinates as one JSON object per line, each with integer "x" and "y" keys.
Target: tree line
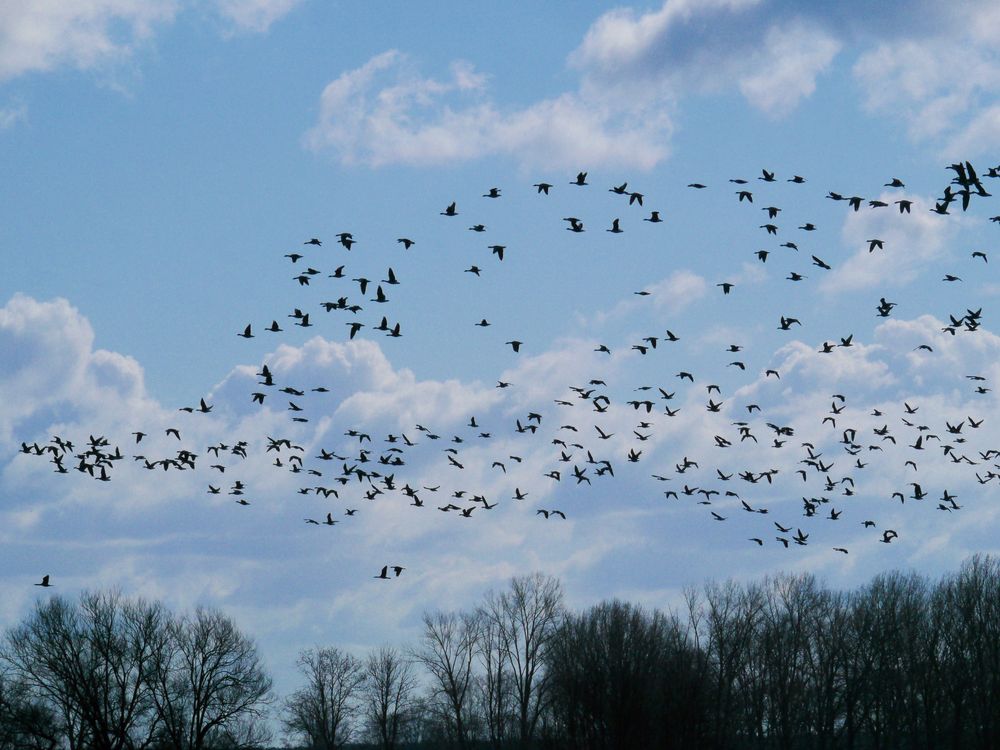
{"x": 785, "y": 663}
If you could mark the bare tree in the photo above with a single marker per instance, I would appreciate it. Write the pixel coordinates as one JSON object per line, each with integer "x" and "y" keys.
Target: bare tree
{"x": 825, "y": 657}
{"x": 730, "y": 618}
{"x": 783, "y": 638}
{"x": 322, "y": 710}
{"x": 523, "y": 619}
{"x": 972, "y": 600}
{"x": 493, "y": 685}
{"x": 25, "y": 723}
{"x": 88, "y": 663}
{"x": 616, "y": 670}
{"x": 389, "y": 695}
{"x": 447, "y": 652}
{"x": 209, "y": 684}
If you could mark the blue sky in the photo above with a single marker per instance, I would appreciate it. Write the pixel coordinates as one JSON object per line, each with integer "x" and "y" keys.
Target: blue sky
{"x": 162, "y": 158}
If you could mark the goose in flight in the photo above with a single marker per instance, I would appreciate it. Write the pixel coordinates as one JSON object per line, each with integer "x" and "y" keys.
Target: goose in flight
{"x": 548, "y": 513}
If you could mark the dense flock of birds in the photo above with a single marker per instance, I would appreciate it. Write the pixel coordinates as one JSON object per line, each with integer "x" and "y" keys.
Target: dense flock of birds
{"x": 374, "y": 467}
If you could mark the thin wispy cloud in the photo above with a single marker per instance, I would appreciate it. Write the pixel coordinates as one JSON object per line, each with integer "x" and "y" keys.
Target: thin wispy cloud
{"x": 254, "y": 15}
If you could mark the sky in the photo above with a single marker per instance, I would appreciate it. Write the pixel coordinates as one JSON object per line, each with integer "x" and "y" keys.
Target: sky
{"x": 163, "y": 159}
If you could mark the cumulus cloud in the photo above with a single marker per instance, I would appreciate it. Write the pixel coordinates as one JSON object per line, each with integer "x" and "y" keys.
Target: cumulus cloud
{"x": 959, "y": 354}
{"x": 385, "y": 112}
{"x": 635, "y": 68}
{"x": 621, "y": 41}
{"x": 162, "y": 534}
{"x": 51, "y": 363}
{"x": 46, "y": 34}
{"x": 785, "y": 71}
{"x": 694, "y": 47}
{"x": 855, "y": 366}
{"x": 912, "y": 241}
{"x": 933, "y": 65}
{"x": 914, "y": 79}
{"x": 939, "y": 82}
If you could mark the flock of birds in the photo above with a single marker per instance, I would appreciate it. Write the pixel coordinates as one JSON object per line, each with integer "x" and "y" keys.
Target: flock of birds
{"x": 365, "y": 468}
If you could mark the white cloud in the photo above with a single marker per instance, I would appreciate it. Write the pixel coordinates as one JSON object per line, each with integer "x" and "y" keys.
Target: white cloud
{"x": 911, "y": 78}
{"x": 385, "y": 113}
{"x": 785, "y": 72}
{"x": 621, "y": 40}
{"x": 695, "y": 47}
{"x": 856, "y": 366}
{"x": 911, "y": 242}
{"x": 45, "y": 34}
{"x": 677, "y": 291}
{"x": 10, "y": 116}
{"x": 961, "y": 354}
{"x": 940, "y": 83}
{"x": 935, "y": 65}
{"x": 977, "y": 138}
{"x": 364, "y": 386}
{"x": 162, "y": 535}
{"x": 51, "y": 363}
{"x": 636, "y": 68}
{"x": 254, "y": 15}
{"x": 668, "y": 296}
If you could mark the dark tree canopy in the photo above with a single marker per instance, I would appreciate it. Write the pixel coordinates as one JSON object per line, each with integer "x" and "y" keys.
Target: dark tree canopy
{"x": 782, "y": 663}
{"x": 115, "y": 673}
